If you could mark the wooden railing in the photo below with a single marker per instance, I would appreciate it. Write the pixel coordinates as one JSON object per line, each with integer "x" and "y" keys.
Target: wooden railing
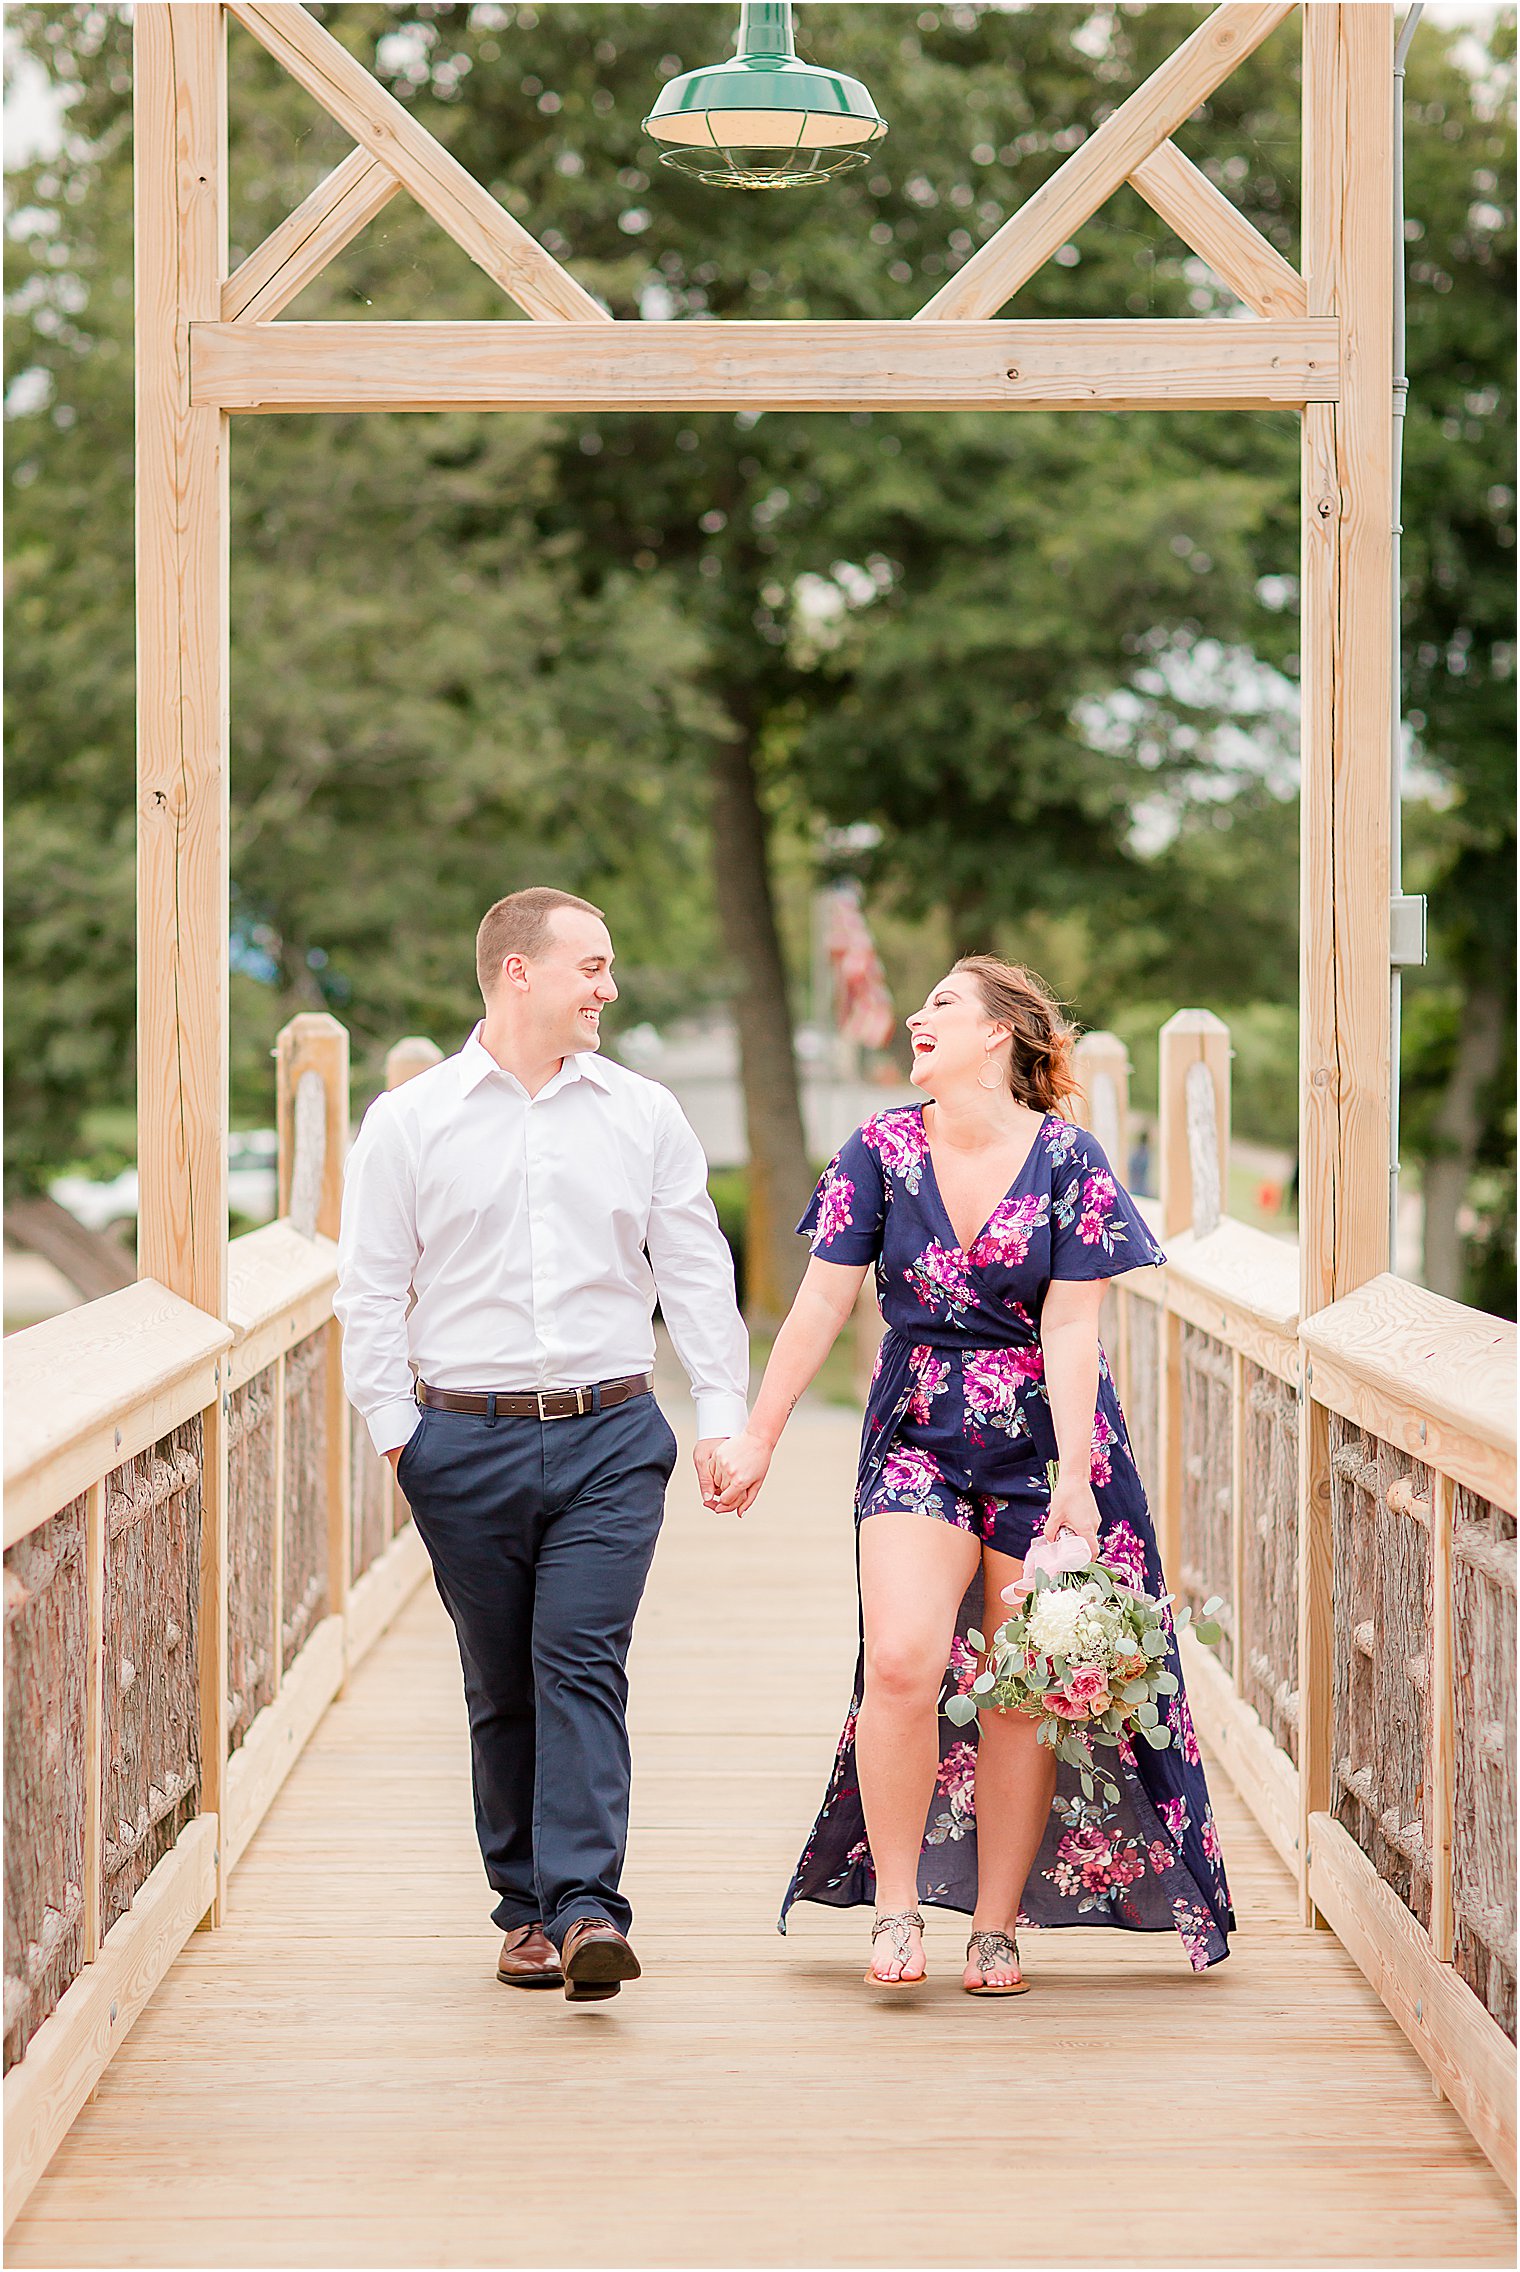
{"x": 174, "y": 1633}
{"x": 1346, "y": 1482}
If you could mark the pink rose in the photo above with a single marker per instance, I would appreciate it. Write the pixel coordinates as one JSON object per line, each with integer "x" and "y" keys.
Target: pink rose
{"x": 1086, "y": 1685}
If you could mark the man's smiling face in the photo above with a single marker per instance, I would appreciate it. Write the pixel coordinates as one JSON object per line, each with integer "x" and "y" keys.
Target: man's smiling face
{"x": 569, "y": 984}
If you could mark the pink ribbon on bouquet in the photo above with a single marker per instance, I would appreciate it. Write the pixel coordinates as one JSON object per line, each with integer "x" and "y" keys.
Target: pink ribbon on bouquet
{"x": 1055, "y": 1556}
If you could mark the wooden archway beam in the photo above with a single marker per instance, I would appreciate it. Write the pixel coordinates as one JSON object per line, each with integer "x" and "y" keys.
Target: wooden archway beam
{"x": 1106, "y": 160}
{"x": 307, "y": 239}
{"x": 1148, "y": 363}
{"x": 387, "y": 130}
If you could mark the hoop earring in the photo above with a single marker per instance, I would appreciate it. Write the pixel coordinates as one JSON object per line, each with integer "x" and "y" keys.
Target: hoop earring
{"x": 997, "y": 1079}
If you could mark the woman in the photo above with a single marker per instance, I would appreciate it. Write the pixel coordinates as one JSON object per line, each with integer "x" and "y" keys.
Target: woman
{"x": 993, "y": 1224}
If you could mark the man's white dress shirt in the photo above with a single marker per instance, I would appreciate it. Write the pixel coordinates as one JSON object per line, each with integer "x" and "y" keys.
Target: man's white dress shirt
{"x": 534, "y": 1234}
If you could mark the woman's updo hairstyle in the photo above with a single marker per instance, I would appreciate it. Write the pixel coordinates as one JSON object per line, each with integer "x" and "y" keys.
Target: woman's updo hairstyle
{"x": 1039, "y": 1062}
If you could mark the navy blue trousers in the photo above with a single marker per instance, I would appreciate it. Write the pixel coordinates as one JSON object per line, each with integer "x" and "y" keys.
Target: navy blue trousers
{"x": 541, "y": 1534}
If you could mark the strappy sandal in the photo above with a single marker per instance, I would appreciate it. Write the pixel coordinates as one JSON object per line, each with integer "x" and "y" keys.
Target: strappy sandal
{"x": 993, "y": 1948}
{"x": 898, "y": 1923}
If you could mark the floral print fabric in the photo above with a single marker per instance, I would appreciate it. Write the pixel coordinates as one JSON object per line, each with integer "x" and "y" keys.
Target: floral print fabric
{"x": 958, "y": 1429}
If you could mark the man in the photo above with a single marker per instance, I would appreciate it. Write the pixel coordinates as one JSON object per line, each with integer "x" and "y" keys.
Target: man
{"x": 508, "y": 1219}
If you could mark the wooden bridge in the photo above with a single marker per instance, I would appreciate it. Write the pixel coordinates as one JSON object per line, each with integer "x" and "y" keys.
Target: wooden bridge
{"x": 231, "y": 1703}
{"x": 330, "y": 2073}
{"x": 334, "y": 2077}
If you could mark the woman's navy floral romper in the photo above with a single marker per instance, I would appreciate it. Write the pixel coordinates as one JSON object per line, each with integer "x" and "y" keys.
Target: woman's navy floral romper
{"x": 958, "y": 1428}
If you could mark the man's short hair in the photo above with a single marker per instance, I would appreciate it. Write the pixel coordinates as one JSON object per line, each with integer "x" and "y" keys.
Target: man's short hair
{"x": 519, "y": 925}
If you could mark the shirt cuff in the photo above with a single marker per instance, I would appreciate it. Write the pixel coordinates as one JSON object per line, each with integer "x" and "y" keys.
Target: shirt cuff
{"x": 392, "y": 1425}
{"x": 719, "y": 1413}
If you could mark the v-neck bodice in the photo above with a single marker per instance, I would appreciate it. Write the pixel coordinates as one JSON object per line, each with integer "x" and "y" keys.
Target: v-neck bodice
{"x": 939, "y": 1191}
{"x": 1064, "y": 1216}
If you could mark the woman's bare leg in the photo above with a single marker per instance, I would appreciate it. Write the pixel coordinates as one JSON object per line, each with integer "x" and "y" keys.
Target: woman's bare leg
{"x": 914, "y": 1571}
{"x": 1015, "y": 1783}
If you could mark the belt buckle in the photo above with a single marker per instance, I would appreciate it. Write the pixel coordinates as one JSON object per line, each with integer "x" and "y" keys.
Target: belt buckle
{"x": 582, "y": 1403}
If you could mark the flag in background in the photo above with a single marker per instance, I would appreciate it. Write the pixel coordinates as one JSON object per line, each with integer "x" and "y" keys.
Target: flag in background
{"x": 863, "y": 1009}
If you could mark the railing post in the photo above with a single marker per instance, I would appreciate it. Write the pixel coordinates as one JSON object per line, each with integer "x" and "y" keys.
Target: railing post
{"x": 311, "y": 1054}
{"x": 413, "y": 1054}
{"x": 1316, "y": 1634}
{"x": 1194, "y": 1146}
{"x": 1440, "y": 1773}
{"x": 1101, "y": 1063}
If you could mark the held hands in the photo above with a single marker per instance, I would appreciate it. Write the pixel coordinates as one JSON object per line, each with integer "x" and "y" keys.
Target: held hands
{"x": 739, "y": 1468}
{"x": 1073, "y": 1507}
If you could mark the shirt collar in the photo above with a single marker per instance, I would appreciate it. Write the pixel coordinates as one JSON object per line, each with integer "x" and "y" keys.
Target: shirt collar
{"x": 476, "y": 1064}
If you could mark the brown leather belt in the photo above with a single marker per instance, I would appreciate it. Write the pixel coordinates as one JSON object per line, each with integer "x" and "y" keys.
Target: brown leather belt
{"x": 537, "y": 1403}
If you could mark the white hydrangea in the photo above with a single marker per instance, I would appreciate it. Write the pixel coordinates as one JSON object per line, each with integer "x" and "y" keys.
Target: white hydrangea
{"x": 1054, "y": 1616}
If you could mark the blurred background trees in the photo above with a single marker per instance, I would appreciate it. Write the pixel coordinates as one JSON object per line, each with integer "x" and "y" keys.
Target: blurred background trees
{"x": 1030, "y": 679}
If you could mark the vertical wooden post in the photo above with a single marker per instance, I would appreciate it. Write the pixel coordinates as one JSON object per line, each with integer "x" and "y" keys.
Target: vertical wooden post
{"x": 1189, "y": 1037}
{"x": 1346, "y": 672}
{"x": 1316, "y": 1632}
{"x": 179, "y": 162}
{"x": 317, "y": 1043}
{"x": 1101, "y": 1064}
{"x": 94, "y": 1709}
{"x": 1347, "y": 655}
{"x": 408, "y": 1057}
{"x": 1242, "y": 1639}
{"x": 313, "y": 1043}
{"x": 1440, "y": 1772}
{"x": 277, "y": 1579}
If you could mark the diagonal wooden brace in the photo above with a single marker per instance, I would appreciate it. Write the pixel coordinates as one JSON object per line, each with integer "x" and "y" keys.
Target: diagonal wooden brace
{"x": 387, "y": 130}
{"x": 303, "y": 244}
{"x": 1204, "y": 218}
{"x": 1149, "y": 117}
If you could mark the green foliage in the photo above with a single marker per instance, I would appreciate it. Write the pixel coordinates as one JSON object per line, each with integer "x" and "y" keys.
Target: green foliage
{"x": 1050, "y": 658}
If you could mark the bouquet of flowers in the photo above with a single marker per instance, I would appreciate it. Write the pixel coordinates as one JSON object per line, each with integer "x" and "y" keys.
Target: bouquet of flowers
{"x": 1083, "y": 1653}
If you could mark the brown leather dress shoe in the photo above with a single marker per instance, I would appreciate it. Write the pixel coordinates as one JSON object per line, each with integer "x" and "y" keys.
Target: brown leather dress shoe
{"x": 529, "y": 1959}
{"x": 597, "y": 1960}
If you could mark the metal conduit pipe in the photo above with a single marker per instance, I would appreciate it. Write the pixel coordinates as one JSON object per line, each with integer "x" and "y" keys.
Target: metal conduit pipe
{"x": 1406, "y": 913}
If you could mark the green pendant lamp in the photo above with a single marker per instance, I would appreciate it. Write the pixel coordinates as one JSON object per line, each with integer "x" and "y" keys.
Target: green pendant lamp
{"x": 765, "y": 120}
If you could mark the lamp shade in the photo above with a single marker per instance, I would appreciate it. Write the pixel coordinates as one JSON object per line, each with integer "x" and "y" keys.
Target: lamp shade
{"x": 764, "y": 120}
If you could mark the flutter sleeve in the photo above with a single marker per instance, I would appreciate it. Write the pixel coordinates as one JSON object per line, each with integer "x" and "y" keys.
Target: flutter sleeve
{"x": 1096, "y": 1230}
{"x": 845, "y": 1215}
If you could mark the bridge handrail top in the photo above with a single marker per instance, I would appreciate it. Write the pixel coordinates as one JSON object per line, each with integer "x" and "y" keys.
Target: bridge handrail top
{"x": 93, "y": 1386}
{"x": 1248, "y": 1269}
{"x": 1418, "y": 1352}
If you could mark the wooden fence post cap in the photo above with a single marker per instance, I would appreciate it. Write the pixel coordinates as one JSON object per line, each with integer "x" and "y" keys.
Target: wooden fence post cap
{"x": 1194, "y": 1021}
{"x": 312, "y": 1025}
{"x": 413, "y": 1054}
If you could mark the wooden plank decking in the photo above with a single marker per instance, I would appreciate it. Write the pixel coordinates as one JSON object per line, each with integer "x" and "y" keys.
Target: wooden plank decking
{"x": 336, "y": 2079}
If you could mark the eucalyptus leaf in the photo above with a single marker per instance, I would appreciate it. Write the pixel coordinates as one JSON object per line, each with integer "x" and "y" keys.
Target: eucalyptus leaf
{"x": 976, "y": 1639}
{"x": 959, "y": 1711}
{"x": 1214, "y": 1602}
